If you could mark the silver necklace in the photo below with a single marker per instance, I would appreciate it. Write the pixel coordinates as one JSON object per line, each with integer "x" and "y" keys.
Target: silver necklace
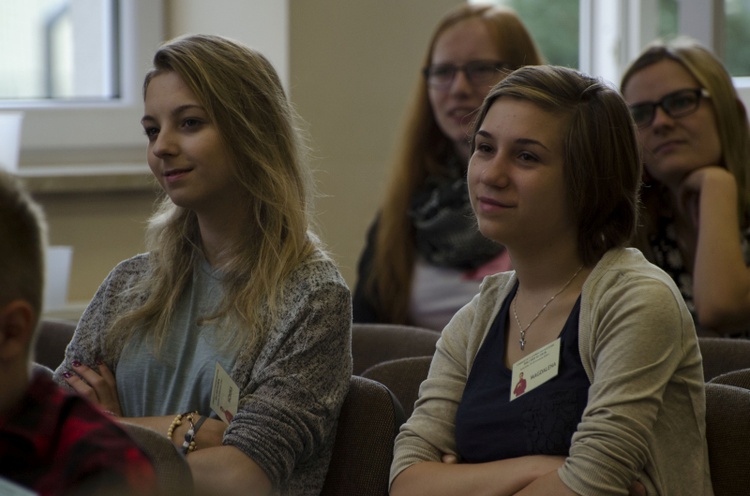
{"x": 523, "y": 329}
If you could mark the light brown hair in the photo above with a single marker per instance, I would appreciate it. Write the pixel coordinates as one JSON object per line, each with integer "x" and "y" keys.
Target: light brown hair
{"x": 243, "y": 96}
{"x": 601, "y": 156}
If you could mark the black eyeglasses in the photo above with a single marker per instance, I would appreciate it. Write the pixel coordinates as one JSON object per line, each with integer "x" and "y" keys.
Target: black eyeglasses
{"x": 676, "y": 104}
{"x": 478, "y": 72}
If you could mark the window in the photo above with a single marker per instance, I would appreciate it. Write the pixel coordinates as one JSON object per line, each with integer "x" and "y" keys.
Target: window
{"x": 101, "y": 112}
{"x": 62, "y": 49}
{"x": 611, "y": 33}
{"x": 559, "y": 45}
{"x": 737, "y": 37}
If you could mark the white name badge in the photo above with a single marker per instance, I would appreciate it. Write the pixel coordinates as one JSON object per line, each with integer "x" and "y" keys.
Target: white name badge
{"x": 8, "y": 488}
{"x": 534, "y": 370}
{"x": 225, "y": 395}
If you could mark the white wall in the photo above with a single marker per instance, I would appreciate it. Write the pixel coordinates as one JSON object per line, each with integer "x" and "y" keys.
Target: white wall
{"x": 260, "y": 24}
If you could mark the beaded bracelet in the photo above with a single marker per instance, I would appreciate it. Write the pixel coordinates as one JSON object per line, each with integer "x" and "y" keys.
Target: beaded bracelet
{"x": 174, "y": 425}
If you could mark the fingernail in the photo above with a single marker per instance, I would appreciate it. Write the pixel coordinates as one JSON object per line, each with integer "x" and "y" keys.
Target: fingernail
{"x": 67, "y": 375}
{"x": 76, "y": 363}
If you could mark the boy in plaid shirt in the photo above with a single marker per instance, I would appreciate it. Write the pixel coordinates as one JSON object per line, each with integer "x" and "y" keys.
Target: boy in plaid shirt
{"x": 51, "y": 442}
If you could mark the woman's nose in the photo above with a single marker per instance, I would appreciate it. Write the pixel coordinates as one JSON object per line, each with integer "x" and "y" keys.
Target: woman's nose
{"x": 164, "y": 144}
{"x": 496, "y": 172}
{"x": 461, "y": 84}
{"x": 661, "y": 118}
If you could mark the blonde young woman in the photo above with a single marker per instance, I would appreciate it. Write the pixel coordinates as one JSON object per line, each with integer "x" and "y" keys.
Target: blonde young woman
{"x": 613, "y": 401}
{"x": 424, "y": 257}
{"x": 232, "y": 278}
{"x": 695, "y": 139}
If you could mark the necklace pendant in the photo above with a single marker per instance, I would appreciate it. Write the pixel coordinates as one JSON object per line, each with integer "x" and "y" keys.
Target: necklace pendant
{"x": 522, "y": 342}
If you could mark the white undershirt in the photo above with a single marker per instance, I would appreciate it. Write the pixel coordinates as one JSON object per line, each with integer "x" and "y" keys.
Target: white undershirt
{"x": 438, "y": 293}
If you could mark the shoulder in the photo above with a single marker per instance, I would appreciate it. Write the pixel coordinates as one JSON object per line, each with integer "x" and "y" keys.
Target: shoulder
{"x": 129, "y": 270}
{"x": 122, "y": 278}
{"x": 315, "y": 271}
{"x": 627, "y": 270}
{"x": 315, "y": 286}
{"x": 114, "y": 296}
{"x": 628, "y": 298}
{"x": 484, "y": 306}
{"x": 136, "y": 264}
{"x": 470, "y": 325}
{"x": 496, "y": 287}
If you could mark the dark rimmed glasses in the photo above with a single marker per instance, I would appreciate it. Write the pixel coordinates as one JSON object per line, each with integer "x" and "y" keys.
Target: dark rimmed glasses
{"x": 477, "y": 72}
{"x": 676, "y": 104}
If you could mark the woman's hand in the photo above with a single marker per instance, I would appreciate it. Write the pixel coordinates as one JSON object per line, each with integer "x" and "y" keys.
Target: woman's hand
{"x": 97, "y": 386}
{"x": 637, "y": 489}
{"x": 708, "y": 197}
{"x": 690, "y": 189}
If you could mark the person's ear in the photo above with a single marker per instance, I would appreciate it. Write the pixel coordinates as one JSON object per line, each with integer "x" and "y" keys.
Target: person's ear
{"x": 16, "y": 329}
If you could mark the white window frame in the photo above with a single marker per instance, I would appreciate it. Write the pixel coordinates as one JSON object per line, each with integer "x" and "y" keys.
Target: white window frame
{"x": 60, "y": 127}
{"x": 613, "y": 32}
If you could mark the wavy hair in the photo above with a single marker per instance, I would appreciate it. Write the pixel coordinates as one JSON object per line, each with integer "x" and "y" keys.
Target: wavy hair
{"x": 422, "y": 152}
{"x": 601, "y": 155}
{"x": 731, "y": 119}
{"x": 243, "y": 96}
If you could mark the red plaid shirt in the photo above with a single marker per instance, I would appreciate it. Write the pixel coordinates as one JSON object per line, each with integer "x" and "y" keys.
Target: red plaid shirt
{"x": 53, "y": 442}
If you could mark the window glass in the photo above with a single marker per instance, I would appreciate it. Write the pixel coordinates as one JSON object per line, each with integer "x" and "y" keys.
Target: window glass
{"x": 58, "y": 49}
{"x": 668, "y": 19}
{"x": 737, "y": 37}
{"x": 553, "y": 25}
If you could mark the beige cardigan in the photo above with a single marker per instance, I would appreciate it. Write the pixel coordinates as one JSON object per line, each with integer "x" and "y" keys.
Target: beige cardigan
{"x": 645, "y": 417}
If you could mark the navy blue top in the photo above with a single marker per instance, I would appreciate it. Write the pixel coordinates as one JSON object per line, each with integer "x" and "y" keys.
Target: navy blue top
{"x": 490, "y": 427}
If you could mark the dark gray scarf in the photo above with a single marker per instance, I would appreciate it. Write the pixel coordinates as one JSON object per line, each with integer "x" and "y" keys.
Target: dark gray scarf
{"x": 446, "y": 230}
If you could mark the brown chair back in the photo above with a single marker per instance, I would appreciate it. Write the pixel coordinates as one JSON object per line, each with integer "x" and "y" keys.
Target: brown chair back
{"x": 362, "y": 455}
{"x": 728, "y": 437}
{"x": 376, "y": 343}
{"x": 403, "y": 377}
{"x": 53, "y": 338}
{"x": 739, "y": 378}
{"x": 722, "y": 355}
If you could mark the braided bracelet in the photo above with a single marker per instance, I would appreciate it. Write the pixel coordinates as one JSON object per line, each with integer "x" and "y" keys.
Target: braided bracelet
{"x": 189, "y": 444}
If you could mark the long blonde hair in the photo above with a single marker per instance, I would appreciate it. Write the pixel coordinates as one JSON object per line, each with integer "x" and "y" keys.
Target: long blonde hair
{"x": 424, "y": 151}
{"x": 243, "y": 96}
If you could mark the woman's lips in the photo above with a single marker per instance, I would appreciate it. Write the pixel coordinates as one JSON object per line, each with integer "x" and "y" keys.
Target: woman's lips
{"x": 174, "y": 175}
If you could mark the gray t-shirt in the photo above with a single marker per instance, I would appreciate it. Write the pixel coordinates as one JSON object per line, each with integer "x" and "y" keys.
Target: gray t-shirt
{"x": 188, "y": 347}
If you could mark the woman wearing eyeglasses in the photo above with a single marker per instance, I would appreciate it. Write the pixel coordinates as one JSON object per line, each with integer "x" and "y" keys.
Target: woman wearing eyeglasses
{"x": 424, "y": 257}
{"x": 695, "y": 142}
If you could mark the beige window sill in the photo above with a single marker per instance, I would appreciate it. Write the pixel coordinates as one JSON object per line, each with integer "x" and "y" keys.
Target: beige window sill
{"x": 87, "y": 178}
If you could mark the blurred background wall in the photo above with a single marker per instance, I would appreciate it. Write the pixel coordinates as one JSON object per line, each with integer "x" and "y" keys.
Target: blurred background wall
{"x": 349, "y": 67}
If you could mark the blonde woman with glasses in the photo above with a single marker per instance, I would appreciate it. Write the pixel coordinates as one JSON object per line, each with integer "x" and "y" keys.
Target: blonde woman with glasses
{"x": 424, "y": 257}
{"x": 693, "y": 132}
